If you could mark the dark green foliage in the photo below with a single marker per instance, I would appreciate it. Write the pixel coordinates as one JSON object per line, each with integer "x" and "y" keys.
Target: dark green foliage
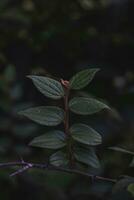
{"x": 51, "y": 116}
{"x": 58, "y": 159}
{"x": 122, "y": 150}
{"x": 45, "y": 115}
{"x": 52, "y": 140}
{"x": 85, "y": 134}
{"x": 86, "y": 106}
{"x": 87, "y": 156}
{"x": 82, "y": 79}
{"x": 47, "y": 86}
{"x": 37, "y": 36}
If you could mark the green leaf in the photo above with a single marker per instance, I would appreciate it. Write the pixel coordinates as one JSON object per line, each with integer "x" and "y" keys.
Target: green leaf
{"x": 87, "y": 156}
{"x": 119, "y": 149}
{"x": 82, "y": 78}
{"x": 130, "y": 188}
{"x": 51, "y": 140}
{"x": 58, "y": 159}
{"x": 48, "y": 86}
{"x": 85, "y": 134}
{"x": 45, "y": 115}
{"x": 86, "y": 106}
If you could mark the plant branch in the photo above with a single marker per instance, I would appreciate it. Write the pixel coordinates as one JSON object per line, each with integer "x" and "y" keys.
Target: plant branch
{"x": 66, "y": 125}
{"x": 26, "y": 166}
{"x": 66, "y": 112}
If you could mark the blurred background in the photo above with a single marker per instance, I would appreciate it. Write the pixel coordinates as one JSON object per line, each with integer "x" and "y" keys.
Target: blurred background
{"x": 59, "y": 38}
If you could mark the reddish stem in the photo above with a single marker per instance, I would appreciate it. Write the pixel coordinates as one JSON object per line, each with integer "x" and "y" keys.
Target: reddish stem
{"x": 66, "y": 123}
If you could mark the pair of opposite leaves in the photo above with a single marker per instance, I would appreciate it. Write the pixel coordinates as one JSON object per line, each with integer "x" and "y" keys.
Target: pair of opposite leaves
{"x": 52, "y": 115}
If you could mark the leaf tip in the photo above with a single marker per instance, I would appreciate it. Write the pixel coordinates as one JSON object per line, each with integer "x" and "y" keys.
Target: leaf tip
{"x": 29, "y": 76}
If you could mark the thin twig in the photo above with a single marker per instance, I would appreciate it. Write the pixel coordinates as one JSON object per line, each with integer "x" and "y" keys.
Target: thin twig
{"x": 26, "y": 166}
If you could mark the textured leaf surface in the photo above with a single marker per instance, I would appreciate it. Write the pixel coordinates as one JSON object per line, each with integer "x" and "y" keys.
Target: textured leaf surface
{"x": 48, "y": 86}
{"x": 85, "y": 134}
{"x": 87, "y": 156}
{"x": 52, "y": 140}
{"x": 45, "y": 115}
{"x": 86, "y": 106}
{"x": 82, "y": 78}
{"x": 58, "y": 159}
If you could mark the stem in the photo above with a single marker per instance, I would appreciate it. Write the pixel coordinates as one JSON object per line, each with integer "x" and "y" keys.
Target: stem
{"x": 66, "y": 112}
{"x": 27, "y": 165}
{"x": 66, "y": 123}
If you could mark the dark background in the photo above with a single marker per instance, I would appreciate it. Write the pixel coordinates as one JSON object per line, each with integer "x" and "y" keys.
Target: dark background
{"x": 59, "y": 38}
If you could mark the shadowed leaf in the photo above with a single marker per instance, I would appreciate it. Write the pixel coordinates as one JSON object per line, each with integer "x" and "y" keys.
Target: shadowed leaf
{"x": 58, "y": 159}
{"x": 86, "y": 106}
{"x": 85, "y": 134}
{"x": 119, "y": 149}
{"x": 87, "y": 156}
{"x": 51, "y": 140}
{"x": 45, "y": 115}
